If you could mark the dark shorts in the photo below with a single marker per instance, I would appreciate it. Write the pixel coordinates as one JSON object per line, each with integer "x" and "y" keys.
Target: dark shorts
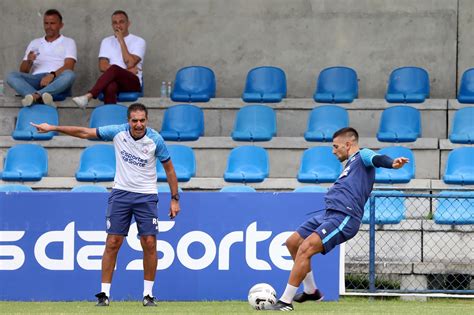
{"x": 124, "y": 204}
{"x": 334, "y": 227}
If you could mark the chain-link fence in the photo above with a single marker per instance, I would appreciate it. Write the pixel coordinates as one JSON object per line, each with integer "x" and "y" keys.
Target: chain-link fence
{"x": 413, "y": 243}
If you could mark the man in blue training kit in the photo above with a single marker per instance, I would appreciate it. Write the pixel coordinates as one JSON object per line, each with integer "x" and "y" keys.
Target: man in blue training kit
{"x": 340, "y": 222}
{"x": 137, "y": 150}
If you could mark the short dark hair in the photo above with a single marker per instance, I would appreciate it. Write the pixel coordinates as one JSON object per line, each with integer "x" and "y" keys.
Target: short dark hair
{"x": 137, "y": 107}
{"x": 116, "y": 12}
{"x": 348, "y": 132}
{"x": 54, "y": 12}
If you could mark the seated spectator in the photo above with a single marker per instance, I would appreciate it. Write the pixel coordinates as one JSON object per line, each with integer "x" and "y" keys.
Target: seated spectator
{"x": 120, "y": 60}
{"x": 50, "y": 59}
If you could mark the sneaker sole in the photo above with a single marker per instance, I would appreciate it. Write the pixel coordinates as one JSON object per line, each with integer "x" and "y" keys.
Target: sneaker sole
{"x": 48, "y": 99}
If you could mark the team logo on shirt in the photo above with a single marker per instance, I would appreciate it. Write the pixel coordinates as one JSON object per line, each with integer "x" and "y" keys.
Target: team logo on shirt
{"x": 345, "y": 172}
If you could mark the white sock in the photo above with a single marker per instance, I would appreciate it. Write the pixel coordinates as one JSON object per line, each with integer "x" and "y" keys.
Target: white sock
{"x": 148, "y": 287}
{"x": 289, "y": 294}
{"x": 309, "y": 284}
{"x": 105, "y": 287}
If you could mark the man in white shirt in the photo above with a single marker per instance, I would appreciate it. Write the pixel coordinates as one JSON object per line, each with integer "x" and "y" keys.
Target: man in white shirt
{"x": 50, "y": 59}
{"x": 120, "y": 59}
{"x": 137, "y": 150}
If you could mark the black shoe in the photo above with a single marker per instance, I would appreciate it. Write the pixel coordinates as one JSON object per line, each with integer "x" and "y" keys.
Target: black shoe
{"x": 149, "y": 301}
{"x": 279, "y": 306}
{"x": 303, "y": 297}
{"x": 102, "y": 299}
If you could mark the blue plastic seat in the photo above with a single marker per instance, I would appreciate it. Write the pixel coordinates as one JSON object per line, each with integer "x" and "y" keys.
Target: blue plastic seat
{"x": 319, "y": 165}
{"x": 194, "y": 84}
{"x": 466, "y": 89}
{"x": 37, "y": 113}
{"x": 247, "y": 164}
{"x": 25, "y": 162}
{"x": 89, "y": 188}
{"x": 463, "y": 126}
{"x": 336, "y": 85}
{"x": 265, "y": 85}
{"x": 456, "y": 210}
{"x": 165, "y": 188}
{"x": 108, "y": 114}
{"x": 395, "y": 176}
{"x": 254, "y": 123}
{"x": 389, "y": 209}
{"x": 184, "y": 122}
{"x": 126, "y": 96}
{"x": 311, "y": 188}
{"x": 460, "y": 167}
{"x": 400, "y": 124}
{"x": 184, "y": 163}
{"x": 15, "y": 188}
{"x": 408, "y": 85}
{"x": 237, "y": 188}
{"x": 97, "y": 164}
{"x": 324, "y": 121}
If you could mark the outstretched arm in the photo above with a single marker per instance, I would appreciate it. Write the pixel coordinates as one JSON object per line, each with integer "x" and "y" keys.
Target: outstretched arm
{"x": 381, "y": 160}
{"x": 74, "y": 131}
{"x": 173, "y": 182}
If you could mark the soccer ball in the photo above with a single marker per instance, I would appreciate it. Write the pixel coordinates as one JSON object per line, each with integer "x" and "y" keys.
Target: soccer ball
{"x": 262, "y": 295}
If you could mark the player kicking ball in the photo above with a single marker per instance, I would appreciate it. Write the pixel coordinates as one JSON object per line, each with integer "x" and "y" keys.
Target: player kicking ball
{"x": 340, "y": 222}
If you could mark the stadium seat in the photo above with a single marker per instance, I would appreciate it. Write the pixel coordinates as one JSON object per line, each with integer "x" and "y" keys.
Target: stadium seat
{"x": 108, "y": 114}
{"x": 25, "y": 162}
{"x": 15, "y": 188}
{"x": 400, "y": 124}
{"x": 184, "y": 163}
{"x": 466, "y": 89}
{"x": 254, "y": 123}
{"x": 463, "y": 126}
{"x": 336, "y": 85}
{"x": 237, "y": 188}
{"x": 408, "y": 85}
{"x": 312, "y": 188}
{"x": 194, "y": 84}
{"x": 184, "y": 122}
{"x": 389, "y": 208}
{"x": 37, "y": 113}
{"x": 396, "y": 176}
{"x": 89, "y": 188}
{"x": 319, "y": 165}
{"x": 456, "y": 210}
{"x": 126, "y": 96}
{"x": 460, "y": 167}
{"x": 247, "y": 164}
{"x": 165, "y": 188}
{"x": 265, "y": 84}
{"x": 324, "y": 121}
{"x": 97, "y": 164}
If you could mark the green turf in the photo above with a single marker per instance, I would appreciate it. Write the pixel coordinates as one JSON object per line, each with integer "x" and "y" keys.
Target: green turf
{"x": 346, "y": 305}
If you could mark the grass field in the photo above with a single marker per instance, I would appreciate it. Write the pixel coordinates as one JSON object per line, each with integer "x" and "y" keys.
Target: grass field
{"x": 346, "y": 305}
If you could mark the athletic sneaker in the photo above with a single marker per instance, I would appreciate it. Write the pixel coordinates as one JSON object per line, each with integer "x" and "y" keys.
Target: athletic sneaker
{"x": 149, "y": 301}
{"x": 102, "y": 299}
{"x": 48, "y": 99}
{"x": 303, "y": 297}
{"x": 27, "y": 100}
{"x": 279, "y": 306}
{"x": 81, "y": 101}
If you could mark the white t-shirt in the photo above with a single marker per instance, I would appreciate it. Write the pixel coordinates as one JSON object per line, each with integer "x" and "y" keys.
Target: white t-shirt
{"x": 135, "y": 160}
{"x": 110, "y": 49}
{"x": 51, "y": 54}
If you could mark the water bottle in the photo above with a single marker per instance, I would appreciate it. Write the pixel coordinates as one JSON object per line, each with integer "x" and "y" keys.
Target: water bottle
{"x": 168, "y": 90}
{"x": 2, "y": 91}
{"x": 163, "y": 90}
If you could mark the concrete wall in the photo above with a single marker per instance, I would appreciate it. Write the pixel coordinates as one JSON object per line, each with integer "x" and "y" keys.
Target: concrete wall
{"x": 301, "y": 36}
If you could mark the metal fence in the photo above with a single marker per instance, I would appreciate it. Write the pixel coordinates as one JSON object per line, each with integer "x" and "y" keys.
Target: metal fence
{"x": 413, "y": 243}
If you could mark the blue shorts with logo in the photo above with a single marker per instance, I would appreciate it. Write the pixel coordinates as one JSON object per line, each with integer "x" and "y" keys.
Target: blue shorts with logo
{"x": 333, "y": 227}
{"x": 123, "y": 204}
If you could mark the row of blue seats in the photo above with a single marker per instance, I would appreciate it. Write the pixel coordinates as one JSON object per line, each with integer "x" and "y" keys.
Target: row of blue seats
{"x": 185, "y": 122}
{"x": 245, "y": 164}
{"x": 453, "y": 207}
